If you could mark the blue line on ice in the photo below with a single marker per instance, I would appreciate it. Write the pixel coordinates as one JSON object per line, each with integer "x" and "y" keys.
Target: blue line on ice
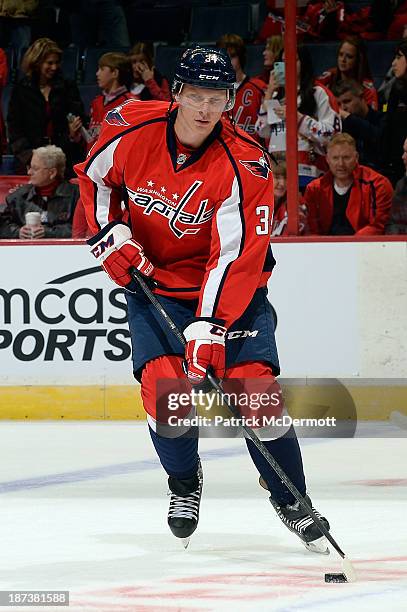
{"x": 119, "y": 469}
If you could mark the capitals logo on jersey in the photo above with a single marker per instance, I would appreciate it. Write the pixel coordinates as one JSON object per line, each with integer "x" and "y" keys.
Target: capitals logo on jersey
{"x": 114, "y": 116}
{"x": 179, "y": 220}
{"x": 258, "y": 168}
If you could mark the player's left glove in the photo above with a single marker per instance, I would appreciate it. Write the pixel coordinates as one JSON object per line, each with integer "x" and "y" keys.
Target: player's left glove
{"x": 205, "y": 349}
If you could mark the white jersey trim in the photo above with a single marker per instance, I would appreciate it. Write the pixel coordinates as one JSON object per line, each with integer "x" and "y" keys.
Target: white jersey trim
{"x": 230, "y": 231}
{"x": 98, "y": 169}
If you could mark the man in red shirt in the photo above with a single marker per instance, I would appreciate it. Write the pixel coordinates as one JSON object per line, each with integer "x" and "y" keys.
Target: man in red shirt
{"x": 349, "y": 198}
{"x": 198, "y": 194}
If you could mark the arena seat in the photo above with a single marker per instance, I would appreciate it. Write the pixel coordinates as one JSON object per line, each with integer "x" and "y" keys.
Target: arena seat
{"x": 254, "y": 63}
{"x": 166, "y": 58}
{"x": 161, "y": 23}
{"x": 210, "y": 22}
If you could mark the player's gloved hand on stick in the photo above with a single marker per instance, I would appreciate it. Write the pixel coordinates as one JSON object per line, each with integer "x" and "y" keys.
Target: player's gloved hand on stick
{"x": 205, "y": 349}
{"x": 117, "y": 252}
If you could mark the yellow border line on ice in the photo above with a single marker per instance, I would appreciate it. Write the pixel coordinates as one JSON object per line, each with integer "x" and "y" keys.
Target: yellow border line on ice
{"x": 373, "y": 402}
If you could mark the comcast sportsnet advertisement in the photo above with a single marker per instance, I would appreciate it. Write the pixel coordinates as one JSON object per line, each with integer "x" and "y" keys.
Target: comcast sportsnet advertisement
{"x": 62, "y": 320}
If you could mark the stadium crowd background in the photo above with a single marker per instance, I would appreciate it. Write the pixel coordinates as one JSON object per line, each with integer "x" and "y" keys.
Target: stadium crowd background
{"x": 63, "y": 65}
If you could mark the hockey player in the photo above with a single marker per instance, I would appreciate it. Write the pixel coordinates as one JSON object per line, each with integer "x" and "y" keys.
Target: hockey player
{"x": 199, "y": 204}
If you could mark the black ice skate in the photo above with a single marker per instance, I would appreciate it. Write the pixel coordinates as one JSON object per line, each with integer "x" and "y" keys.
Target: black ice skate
{"x": 298, "y": 521}
{"x": 183, "y": 513}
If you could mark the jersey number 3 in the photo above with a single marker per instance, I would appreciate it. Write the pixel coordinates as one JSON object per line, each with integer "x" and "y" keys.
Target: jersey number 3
{"x": 264, "y": 220}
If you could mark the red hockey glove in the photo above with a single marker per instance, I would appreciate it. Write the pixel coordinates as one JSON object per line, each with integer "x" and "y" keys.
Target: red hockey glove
{"x": 205, "y": 349}
{"x": 117, "y": 252}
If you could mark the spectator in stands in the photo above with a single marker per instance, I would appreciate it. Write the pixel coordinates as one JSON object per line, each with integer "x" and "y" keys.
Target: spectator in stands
{"x": 318, "y": 118}
{"x": 15, "y": 23}
{"x": 395, "y": 128}
{"x": 40, "y": 104}
{"x": 272, "y": 50}
{"x": 114, "y": 76}
{"x": 47, "y": 193}
{"x": 397, "y": 223}
{"x": 280, "y": 217}
{"x": 399, "y": 20}
{"x": 99, "y": 23}
{"x": 3, "y": 83}
{"x": 274, "y": 22}
{"x": 360, "y": 121}
{"x": 352, "y": 63}
{"x": 250, "y": 90}
{"x": 349, "y": 198}
{"x": 148, "y": 82}
{"x": 324, "y": 18}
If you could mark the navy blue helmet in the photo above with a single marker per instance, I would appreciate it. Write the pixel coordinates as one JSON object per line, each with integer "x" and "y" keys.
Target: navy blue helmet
{"x": 206, "y": 67}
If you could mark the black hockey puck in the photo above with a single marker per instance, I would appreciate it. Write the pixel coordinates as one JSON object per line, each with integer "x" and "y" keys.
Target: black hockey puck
{"x": 335, "y": 578}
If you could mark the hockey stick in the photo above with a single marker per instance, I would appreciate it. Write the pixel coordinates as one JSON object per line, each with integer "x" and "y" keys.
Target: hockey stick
{"x": 349, "y": 574}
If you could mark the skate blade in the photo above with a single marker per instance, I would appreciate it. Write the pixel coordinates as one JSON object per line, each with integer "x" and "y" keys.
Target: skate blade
{"x": 185, "y": 542}
{"x": 319, "y": 546}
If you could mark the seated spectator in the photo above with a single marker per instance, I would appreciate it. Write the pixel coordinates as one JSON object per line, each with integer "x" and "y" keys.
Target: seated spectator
{"x": 274, "y": 22}
{"x": 318, "y": 119}
{"x": 148, "y": 82}
{"x": 397, "y": 223}
{"x": 360, "y": 121}
{"x": 15, "y": 23}
{"x": 98, "y": 23}
{"x": 250, "y": 90}
{"x": 47, "y": 193}
{"x": 325, "y": 18}
{"x": 399, "y": 21}
{"x": 39, "y": 107}
{"x": 3, "y": 82}
{"x": 395, "y": 126}
{"x": 352, "y": 63}
{"x": 280, "y": 217}
{"x": 272, "y": 50}
{"x": 114, "y": 77}
{"x": 349, "y": 198}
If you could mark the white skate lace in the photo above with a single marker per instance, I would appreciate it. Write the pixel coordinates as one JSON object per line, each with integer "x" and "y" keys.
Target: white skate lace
{"x": 185, "y": 507}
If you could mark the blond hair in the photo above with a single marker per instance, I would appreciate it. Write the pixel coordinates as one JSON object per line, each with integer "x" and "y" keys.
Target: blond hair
{"x": 275, "y": 44}
{"x": 341, "y": 139}
{"x": 37, "y": 53}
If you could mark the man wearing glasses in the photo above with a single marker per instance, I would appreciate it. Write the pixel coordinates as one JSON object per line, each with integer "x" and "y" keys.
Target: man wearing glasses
{"x": 44, "y": 207}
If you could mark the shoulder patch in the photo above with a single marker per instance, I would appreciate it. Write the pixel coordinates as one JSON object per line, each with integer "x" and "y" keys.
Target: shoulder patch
{"x": 114, "y": 116}
{"x": 258, "y": 167}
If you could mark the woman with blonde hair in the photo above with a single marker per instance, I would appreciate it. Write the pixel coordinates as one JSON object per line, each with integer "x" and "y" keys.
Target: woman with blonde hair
{"x": 45, "y": 108}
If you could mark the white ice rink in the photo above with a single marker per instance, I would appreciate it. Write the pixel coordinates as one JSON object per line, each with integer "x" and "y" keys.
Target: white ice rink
{"x": 83, "y": 508}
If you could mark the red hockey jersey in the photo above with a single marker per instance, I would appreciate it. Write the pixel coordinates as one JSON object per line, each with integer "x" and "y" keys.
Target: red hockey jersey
{"x": 249, "y": 95}
{"x": 204, "y": 223}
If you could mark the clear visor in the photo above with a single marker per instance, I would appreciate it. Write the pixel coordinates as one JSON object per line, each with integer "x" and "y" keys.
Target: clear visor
{"x": 215, "y": 103}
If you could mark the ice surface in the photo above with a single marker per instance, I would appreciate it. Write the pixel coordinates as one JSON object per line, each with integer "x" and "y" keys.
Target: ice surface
{"x": 83, "y": 508}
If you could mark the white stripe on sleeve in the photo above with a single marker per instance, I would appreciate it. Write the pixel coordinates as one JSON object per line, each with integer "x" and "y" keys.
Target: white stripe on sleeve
{"x": 98, "y": 169}
{"x": 230, "y": 230}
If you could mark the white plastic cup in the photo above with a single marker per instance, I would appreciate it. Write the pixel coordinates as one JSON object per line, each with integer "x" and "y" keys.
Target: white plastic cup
{"x": 33, "y": 219}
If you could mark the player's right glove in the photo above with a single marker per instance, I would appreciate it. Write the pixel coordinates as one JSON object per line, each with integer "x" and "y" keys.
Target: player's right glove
{"x": 205, "y": 349}
{"x": 117, "y": 252}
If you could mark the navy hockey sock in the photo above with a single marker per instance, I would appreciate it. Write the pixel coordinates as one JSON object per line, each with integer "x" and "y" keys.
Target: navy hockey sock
{"x": 286, "y": 451}
{"x": 178, "y": 456}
